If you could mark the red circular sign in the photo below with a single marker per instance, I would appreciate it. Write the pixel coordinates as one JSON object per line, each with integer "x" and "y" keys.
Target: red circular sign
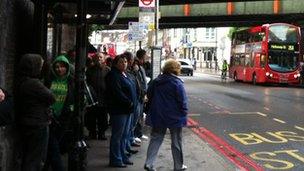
{"x": 147, "y": 2}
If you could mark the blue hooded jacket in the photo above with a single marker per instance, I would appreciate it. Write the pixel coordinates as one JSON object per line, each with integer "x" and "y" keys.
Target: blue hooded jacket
{"x": 167, "y": 102}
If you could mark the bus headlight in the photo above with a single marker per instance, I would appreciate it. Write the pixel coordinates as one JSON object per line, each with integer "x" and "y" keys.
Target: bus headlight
{"x": 271, "y": 75}
{"x": 267, "y": 74}
{"x": 297, "y": 75}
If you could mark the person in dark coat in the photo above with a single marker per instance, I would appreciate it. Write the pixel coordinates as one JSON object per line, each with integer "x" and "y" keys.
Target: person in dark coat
{"x": 6, "y": 108}
{"x": 167, "y": 109}
{"x": 32, "y": 105}
{"x": 141, "y": 56}
{"x": 121, "y": 94}
{"x": 96, "y": 79}
{"x": 61, "y": 84}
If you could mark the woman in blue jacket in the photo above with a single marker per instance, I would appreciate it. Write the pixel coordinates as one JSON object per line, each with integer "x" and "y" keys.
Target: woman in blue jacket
{"x": 167, "y": 109}
{"x": 121, "y": 96}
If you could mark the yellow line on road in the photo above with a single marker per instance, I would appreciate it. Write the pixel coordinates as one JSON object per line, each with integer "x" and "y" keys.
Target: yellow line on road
{"x": 194, "y": 114}
{"x": 262, "y": 114}
{"x": 243, "y": 113}
{"x": 300, "y": 128}
{"x": 278, "y": 120}
{"x": 266, "y": 108}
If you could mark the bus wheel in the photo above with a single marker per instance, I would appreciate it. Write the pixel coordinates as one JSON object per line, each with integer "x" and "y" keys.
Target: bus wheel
{"x": 254, "y": 79}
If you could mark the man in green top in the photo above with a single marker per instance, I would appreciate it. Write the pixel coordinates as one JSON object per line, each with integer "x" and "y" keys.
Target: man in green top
{"x": 61, "y": 84}
{"x": 224, "y": 69}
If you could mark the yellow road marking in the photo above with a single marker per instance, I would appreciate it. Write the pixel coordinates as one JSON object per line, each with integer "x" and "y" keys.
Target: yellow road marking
{"x": 194, "y": 114}
{"x": 243, "y": 113}
{"x": 300, "y": 128}
{"x": 278, "y": 120}
{"x": 262, "y": 114}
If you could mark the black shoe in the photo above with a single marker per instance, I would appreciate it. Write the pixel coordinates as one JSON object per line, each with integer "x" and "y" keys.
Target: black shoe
{"x": 135, "y": 145}
{"x": 118, "y": 165}
{"x": 149, "y": 168}
{"x": 133, "y": 151}
{"x": 128, "y": 163}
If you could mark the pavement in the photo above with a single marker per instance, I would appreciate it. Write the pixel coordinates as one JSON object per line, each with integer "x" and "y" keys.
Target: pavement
{"x": 208, "y": 71}
{"x": 198, "y": 155}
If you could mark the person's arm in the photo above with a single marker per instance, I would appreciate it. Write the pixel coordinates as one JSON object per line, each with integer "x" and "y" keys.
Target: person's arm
{"x": 35, "y": 88}
{"x": 182, "y": 98}
{"x": 115, "y": 83}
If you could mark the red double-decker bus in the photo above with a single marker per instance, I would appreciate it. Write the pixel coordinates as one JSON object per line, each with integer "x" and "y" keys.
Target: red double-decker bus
{"x": 266, "y": 54}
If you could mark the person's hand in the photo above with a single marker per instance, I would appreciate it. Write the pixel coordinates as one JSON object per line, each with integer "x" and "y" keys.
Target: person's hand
{"x": 2, "y": 95}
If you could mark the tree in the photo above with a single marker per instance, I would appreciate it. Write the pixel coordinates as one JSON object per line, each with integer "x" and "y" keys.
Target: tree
{"x": 234, "y": 29}
{"x": 94, "y": 27}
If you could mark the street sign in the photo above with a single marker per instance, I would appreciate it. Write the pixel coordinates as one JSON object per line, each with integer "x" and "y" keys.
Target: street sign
{"x": 146, "y": 3}
{"x": 137, "y": 31}
{"x": 147, "y": 17}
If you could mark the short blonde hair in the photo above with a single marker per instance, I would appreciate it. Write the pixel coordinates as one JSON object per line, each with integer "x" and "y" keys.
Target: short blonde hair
{"x": 172, "y": 67}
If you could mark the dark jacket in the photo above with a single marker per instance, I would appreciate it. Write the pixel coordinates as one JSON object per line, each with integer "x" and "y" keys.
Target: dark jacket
{"x": 6, "y": 109}
{"x": 121, "y": 92}
{"x": 32, "y": 98}
{"x": 167, "y": 102}
{"x": 96, "y": 79}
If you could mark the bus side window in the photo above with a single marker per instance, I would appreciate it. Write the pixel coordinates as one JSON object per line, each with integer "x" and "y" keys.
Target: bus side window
{"x": 242, "y": 60}
{"x": 233, "y": 39}
{"x": 263, "y": 60}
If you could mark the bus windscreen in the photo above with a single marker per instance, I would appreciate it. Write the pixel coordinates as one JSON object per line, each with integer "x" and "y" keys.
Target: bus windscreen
{"x": 282, "y": 61}
{"x": 283, "y": 34}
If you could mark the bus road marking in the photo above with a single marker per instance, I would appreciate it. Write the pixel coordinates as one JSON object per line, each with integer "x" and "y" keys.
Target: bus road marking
{"x": 300, "y": 128}
{"x": 262, "y": 114}
{"x": 278, "y": 120}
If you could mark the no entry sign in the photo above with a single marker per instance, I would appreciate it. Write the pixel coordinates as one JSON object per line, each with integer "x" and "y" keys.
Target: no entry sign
{"x": 146, "y": 3}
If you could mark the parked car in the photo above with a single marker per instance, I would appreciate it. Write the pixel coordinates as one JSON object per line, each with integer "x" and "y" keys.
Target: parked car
{"x": 187, "y": 68}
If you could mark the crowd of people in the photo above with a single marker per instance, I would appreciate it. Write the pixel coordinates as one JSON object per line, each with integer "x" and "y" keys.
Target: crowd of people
{"x": 116, "y": 94}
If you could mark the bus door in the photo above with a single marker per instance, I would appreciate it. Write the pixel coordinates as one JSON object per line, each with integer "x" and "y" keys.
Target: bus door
{"x": 248, "y": 69}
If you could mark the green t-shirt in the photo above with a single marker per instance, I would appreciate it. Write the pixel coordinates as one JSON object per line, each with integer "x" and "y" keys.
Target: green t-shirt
{"x": 60, "y": 90}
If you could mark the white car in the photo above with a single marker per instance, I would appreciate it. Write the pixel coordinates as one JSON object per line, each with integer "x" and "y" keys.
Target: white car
{"x": 186, "y": 66}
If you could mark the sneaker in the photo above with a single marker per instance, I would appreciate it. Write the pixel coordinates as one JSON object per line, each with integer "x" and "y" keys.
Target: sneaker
{"x": 184, "y": 167}
{"x": 144, "y": 137}
{"x": 137, "y": 140}
{"x": 149, "y": 168}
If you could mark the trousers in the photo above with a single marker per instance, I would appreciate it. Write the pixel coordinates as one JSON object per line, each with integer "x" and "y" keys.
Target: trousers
{"x": 157, "y": 137}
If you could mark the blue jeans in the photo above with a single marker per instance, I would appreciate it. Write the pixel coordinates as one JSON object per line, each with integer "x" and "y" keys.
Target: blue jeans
{"x": 134, "y": 120}
{"x": 157, "y": 137}
{"x": 139, "y": 124}
{"x": 118, "y": 140}
{"x": 53, "y": 155}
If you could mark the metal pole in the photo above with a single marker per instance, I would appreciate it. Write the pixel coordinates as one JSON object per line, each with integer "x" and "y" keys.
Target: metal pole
{"x": 156, "y": 21}
{"x": 77, "y": 157}
{"x": 40, "y": 17}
